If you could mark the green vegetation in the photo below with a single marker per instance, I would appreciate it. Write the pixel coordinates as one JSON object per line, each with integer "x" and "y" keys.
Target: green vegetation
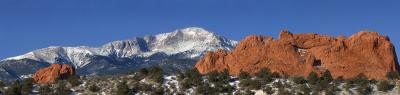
{"x": 250, "y": 84}
{"x": 384, "y": 86}
{"x": 27, "y": 86}
{"x": 393, "y": 75}
{"x": 363, "y": 84}
{"x": 156, "y": 75}
{"x": 61, "y": 88}
{"x": 45, "y": 90}
{"x": 150, "y": 81}
{"x": 305, "y": 89}
{"x": 122, "y": 89}
{"x": 244, "y": 75}
{"x": 73, "y": 80}
{"x": 264, "y": 76}
{"x": 18, "y": 88}
{"x": 218, "y": 78}
{"x": 299, "y": 80}
{"x": 14, "y": 89}
{"x": 312, "y": 78}
{"x": 2, "y": 84}
{"x": 268, "y": 90}
{"x": 190, "y": 78}
{"x": 94, "y": 88}
{"x": 205, "y": 89}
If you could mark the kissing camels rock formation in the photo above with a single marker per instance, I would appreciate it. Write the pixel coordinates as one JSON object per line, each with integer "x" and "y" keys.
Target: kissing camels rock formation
{"x": 299, "y": 54}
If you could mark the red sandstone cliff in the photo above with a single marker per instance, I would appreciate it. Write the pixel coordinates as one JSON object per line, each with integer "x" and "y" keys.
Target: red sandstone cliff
{"x": 53, "y": 72}
{"x": 299, "y": 54}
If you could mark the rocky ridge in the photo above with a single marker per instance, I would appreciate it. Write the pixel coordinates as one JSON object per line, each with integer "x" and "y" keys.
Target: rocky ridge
{"x": 299, "y": 54}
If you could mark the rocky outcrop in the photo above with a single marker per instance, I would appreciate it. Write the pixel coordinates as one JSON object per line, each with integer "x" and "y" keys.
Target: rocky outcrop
{"x": 299, "y": 54}
{"x": 53, "y": 72}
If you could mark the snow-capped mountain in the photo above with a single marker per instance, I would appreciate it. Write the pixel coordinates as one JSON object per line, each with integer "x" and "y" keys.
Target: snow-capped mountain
{"x": 182, "y": 44}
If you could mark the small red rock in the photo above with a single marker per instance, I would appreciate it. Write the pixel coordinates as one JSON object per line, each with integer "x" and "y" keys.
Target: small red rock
{"x": 53, "y": 72}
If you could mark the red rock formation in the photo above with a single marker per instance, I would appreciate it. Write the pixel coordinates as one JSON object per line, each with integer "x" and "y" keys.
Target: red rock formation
{"x": 53, "y": 72}
{"x": 299, "y": 54}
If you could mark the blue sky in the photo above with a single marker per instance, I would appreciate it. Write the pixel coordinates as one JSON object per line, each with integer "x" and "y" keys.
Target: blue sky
{"x": 26, "y": 25}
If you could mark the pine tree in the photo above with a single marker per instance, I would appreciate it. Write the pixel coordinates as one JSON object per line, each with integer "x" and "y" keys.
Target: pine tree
{"x": 384, "y": 86}
{"x": 94, "y": 88}
{"x": 264, "y": 76}
{"x": 156, "y": 75}
{"x": 268, "y": 90}
{"x": 305, "y": 89}
{"x": 393, "y": 75}
{"x": 73, "y": 80}
{"x": 299, "y": 80}
{"x": 122, "y": 89}
{"x": 244, "y": 75}
{"x": 14, "y": 89}
{"x": 327, "y": 76}
{"x": 263, "y": 73}
{"x": 312, "y": 78}
{"x": 363, "y": 85}
{"x": 61, "y": 88}
{"x": 45, "y": 90}
{"x": 2, "y": 84}
{"x": 27, "y": 86}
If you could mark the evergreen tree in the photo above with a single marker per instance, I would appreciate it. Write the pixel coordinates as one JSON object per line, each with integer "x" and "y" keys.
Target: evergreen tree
{"x": 327, "y": 76}
{"x": 213, "y": 76}
{"x": 244, "y": 75}
{"x": 268, "y": 90}
{"x": 339, "y": 80}
{"x": 283, "y": 91}
{"x": 2, "y": 84}
{"x": 299, "y": 80}
{"x": 363, "y": 85}
{"x": 305, "y": 89}
{"x": 245, "y": 92}
{"x": 194, "y": 77}
{"x": 393, "y": 75}
{"x": 224, "y": 76}
{"x": 94, "y": 88}
{"x": 61, "y": 88}
{"x": 45, "y": 90}
{"x": 263, "y": 73}
{"x": 384, "y": 86}
{"x": 73, "y": 80}
{"x": 264, "y": 76}
{"x": 205, "y": 89}
{"x": 156, "y": 75}
{"x": 158, "y": 91}
{"x": 324, "y": 81}
{"x": 141, "y": 74}
{"x": 312, "y": 78}
{"x": 332, "y": 89}
{"x": 220, "y": 78}
{"x": 275, "y": 75}
{"x": 348, "y": 84}
{"x": 27, "y": 86}
{"x": 250, "y": 84}
{"x": 14, "y": 89}
{"x": 122, "y": 89}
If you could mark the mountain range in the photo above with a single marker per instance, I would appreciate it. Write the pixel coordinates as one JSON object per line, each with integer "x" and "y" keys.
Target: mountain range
{"x": 173, "y": 51}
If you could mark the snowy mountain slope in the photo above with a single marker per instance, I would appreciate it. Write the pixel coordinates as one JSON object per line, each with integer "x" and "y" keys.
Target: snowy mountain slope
{"x": 195, "y": 41}
{"x": 189, "y": 43}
